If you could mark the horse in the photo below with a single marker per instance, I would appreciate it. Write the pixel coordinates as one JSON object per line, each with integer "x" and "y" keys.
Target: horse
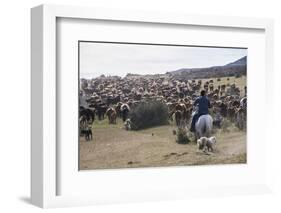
{"x": 203, "y": 126}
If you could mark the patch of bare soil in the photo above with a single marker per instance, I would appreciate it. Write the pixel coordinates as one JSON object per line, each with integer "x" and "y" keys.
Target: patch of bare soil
{"x": 113, "y": 147}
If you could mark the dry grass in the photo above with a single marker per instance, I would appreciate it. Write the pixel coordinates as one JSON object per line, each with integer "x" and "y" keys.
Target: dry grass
{"x": 113, "y": 147}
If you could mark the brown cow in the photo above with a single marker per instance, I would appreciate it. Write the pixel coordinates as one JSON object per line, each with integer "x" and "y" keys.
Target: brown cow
{"x": 178, "y": 117}
{"x": 111, "y": 114}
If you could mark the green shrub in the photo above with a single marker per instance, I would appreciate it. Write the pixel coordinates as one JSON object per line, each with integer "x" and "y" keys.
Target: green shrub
{"x": 149, "y": 114}
{"x": 182, "y": 137}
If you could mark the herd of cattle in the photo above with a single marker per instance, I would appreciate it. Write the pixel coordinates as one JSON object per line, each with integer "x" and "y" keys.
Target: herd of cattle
{"x": 113, "y": 97}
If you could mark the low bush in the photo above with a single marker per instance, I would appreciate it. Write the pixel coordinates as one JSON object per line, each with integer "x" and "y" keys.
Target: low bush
{"x": 182, "y": 136}
{"x": 149, "y": 114}
{"x": 225, "y": 125}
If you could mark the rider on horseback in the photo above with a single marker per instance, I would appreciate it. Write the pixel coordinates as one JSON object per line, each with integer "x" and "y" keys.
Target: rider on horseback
{"x": 203, "y": 104}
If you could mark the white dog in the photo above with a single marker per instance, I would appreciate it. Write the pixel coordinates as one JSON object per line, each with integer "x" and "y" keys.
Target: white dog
{"x": 206, "y": 144}
{"x": 128, "y": 124}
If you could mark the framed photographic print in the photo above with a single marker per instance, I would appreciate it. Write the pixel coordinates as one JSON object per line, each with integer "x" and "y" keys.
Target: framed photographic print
{"x": 147, "y": 105}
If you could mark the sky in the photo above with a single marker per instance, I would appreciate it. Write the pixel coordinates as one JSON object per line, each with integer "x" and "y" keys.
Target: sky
{"x": 119, "y": 59}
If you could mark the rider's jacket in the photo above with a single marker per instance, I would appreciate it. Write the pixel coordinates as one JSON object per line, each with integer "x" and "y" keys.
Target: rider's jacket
{"x": 203, "y": 104}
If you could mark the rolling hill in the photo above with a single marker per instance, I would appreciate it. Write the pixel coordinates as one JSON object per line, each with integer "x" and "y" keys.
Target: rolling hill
{"x": 236, "y": 68}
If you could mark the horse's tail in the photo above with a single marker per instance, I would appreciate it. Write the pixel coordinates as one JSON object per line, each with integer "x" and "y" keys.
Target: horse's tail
{"x": 205, "y": 127}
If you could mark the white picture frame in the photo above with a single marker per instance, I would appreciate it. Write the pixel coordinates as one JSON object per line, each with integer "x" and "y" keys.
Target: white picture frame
{"x": 44, "y": 154}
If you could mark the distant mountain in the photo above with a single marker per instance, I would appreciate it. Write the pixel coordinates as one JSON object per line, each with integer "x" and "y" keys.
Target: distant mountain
{"x": 236, "y": 68}
{"x": 241, "y": 61}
